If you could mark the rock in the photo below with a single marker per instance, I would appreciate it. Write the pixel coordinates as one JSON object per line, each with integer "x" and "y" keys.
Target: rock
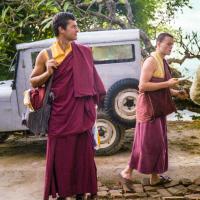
{"x": 115, "y": 191}
{"x": 136, "y": 181}
{"x": 182, "y": 188}
{"x": 141, "y": 194}
{"x": 164, "y": 193}
{"x": 193, "y": 188}
{"x": 171, "y": 184}
{"x": 135, "y": 195}
{"x": 102, "y": 195}
{"x": 150, "y": 188}
{"x": 145, "y": 181}
{"x": 115, "y": 194}
{"x": 116, "y": 187}
{"x": 153, "y": 194}
{"x": 131, "y": 195}
{"x": 185, "y": 181}
{"x": 103, "y": 188}
{"x": 197, "y": 189}
{"x": 138, "y": 188}
{"x": 192, "y": 196}
{"x": 147, "y": 198}
{"x": 174, "y": 198}
{"x": 177, "y": 191}
{"x": 197, "y": 181}
{"x": 156, "y": 196}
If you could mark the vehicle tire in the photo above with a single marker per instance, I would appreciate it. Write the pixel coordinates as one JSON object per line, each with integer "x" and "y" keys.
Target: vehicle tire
{"x": 3, "y": 137}
{"x": 111, "y": 135}
{"x": 120, "y": 102}
{"x": 128, "y": 140}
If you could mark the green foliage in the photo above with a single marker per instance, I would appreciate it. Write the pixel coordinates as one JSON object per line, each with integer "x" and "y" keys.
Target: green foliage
{"x": 24, "y": 21}
{"x": 144, "y": 12}
{"x": 30, "y": 20}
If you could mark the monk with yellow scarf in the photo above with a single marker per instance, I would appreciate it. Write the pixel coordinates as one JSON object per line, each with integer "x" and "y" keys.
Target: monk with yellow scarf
{"x": 150, "y": 147}
{"x": 77, "y": 89}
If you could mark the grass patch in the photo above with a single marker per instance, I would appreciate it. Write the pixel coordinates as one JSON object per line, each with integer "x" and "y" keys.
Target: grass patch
{"x": 188, "y": 144}
{"x": 181, "y": 125}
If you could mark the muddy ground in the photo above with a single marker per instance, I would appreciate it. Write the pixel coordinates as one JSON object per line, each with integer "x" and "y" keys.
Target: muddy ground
{"x": 22, "y": 162}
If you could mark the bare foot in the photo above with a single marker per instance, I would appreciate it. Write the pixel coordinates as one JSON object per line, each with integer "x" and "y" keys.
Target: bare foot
{"x": 154, "y": 182}
{"x": 126, "y": 174}
{"x": 155, "y": 178}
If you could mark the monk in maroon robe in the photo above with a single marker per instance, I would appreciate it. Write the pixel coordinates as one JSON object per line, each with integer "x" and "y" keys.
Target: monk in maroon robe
{"x": 150, "y": 147}
{"x": 77, "y": 88}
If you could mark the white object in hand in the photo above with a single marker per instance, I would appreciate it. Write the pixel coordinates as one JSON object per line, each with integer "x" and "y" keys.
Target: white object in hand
{"x": 183, "y": 78}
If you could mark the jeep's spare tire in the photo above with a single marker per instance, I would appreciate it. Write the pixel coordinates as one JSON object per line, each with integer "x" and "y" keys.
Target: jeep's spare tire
{"x": 120, "y": 102}
{"x": 111, "y": 135}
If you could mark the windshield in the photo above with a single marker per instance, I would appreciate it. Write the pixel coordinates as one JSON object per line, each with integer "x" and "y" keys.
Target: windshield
{"x": 113, "y": 53}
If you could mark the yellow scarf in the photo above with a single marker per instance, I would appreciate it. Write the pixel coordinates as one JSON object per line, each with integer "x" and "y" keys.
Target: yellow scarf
{"x": 58, "y": 53}
{"x": 159, "y": 73}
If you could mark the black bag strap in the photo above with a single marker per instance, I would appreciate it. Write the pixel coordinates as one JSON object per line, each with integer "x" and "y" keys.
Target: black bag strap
{"x": 49, "y": 52}
{"x": 49, "y": 83}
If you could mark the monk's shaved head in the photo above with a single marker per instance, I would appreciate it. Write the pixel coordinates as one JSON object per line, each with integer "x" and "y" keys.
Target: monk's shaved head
{"x": 162, "y": 36}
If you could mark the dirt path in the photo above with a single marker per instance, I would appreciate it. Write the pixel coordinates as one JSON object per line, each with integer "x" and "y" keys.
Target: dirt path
{"x": 22, "y": 164}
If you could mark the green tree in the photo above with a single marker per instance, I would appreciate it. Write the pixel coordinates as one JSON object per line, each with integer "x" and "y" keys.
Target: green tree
{"x": 30, "y": 20}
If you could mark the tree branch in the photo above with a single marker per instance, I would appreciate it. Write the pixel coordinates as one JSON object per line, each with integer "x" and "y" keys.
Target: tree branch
{"x": 147, "y": 42}
{"x": 111, "y": 18}
{"x": 129, "y": 13}
{"x": 181, "y": 61}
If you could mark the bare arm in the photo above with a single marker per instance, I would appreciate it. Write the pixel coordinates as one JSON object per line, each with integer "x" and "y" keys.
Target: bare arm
{"x": 148, "y": 69}
{"x": 42, "y": 71}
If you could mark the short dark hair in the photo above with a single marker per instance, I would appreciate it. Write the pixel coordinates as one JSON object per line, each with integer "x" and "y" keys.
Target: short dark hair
{"x": 61, "y": 20}
{"x": 162, "y": 36}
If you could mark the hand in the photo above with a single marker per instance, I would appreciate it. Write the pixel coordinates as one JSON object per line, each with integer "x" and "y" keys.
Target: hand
{"x": 182, "y": 94}
{"x": 51, "y": 65}
{"x": 172, "y": 82}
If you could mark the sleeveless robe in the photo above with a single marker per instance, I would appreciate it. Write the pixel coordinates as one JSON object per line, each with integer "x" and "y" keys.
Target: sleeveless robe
{"x": 150, "y": 147}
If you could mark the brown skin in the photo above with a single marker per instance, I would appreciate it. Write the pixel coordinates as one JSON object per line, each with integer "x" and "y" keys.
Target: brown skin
{"x": 44, "y": 68}
{"x": 163, "y": 48}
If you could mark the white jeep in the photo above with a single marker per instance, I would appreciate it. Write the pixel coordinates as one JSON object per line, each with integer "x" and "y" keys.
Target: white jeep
{"x": 117, "y": 58}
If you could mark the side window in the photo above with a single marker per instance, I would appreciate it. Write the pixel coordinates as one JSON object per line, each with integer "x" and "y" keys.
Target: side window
{"x": 33, "y": 57}
{"x": 113, "y": 53}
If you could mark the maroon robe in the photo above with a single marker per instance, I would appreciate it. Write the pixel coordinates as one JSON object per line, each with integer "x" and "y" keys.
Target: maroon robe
{"x": 70, "y": 165}
{"x": 150, "y": 147}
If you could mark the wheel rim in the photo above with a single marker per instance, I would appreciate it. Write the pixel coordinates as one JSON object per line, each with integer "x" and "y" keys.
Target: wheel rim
{"x": 107, "y": 133}
{"x": 125, "y": 103}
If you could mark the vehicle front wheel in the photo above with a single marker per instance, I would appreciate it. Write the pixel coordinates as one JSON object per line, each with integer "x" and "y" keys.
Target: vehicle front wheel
{"x": 120, "y": 102}
{"x": 111, "y": 135}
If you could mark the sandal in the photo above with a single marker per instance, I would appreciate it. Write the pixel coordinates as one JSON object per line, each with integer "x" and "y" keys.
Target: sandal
{"x": 161, "y": 181}
{"x": 61, "y": 198}
{"x": 166, "y": 178}
{"x": 126, "y": 183}
{"x": 80, "y": 197}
